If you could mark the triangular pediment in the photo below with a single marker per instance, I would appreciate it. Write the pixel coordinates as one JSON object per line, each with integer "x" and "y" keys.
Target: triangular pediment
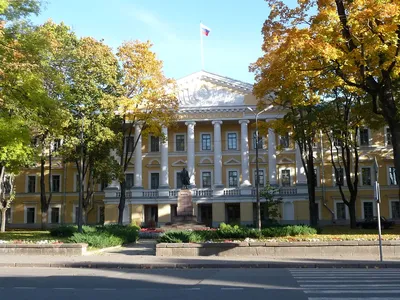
{"x": 232, "y": 162}
{"x": 204, "y": 89}
{"x": 285, "y": 160}
{"x": 179, "y": 163}
{"x": 206, "y": 162}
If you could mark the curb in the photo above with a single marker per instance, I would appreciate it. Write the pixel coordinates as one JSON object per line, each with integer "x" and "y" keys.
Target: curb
{"x": 111, "y": 265}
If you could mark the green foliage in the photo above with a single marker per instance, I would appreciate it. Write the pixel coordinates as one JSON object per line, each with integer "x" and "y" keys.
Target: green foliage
{"x": 98, "y": 236}
{"x": 97, "y": 240}
{"x": 295, "y": 230}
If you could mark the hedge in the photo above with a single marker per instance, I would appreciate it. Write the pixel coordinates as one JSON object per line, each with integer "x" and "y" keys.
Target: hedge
{"x": 98, "y": 236}
{"x": 234, "y": 232}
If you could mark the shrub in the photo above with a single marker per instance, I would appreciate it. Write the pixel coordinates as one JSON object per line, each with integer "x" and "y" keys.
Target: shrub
{"x": 236, "y": 231}
{"x": 289, "y": 230}
{"x": 175, "y": 237}
{"x": 63, "y": 231}
{"x": 96, "y": 239}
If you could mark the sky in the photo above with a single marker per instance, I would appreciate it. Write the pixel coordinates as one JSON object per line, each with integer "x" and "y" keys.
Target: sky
{"x": 173, "y": 26}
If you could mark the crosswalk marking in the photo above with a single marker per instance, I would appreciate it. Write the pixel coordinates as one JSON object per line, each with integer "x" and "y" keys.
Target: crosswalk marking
{"x": 368, "y": 284}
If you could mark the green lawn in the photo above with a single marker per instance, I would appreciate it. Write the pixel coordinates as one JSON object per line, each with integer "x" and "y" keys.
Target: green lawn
{"x": 28, "y": 235}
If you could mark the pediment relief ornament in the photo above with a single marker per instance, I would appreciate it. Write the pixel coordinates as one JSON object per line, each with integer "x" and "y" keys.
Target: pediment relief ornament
{"x": 232, "y": 162}
{"x": 179, "y": 163}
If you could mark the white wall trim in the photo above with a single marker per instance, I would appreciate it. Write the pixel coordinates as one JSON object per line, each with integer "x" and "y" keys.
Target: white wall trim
{"x": 292, "y": 172}
{"x": 26, "y": 210}
{"x": 61, "y": 180}
{"x": 227, "y": 176}
{"x": 373, "y": 207}
{"x": 149, "y": 144}
{"x": 211, "y": 141}
{"x": 346, "y": 209}
{"x": 50, "y": 210}
{"x": 149, "y": 178}
{"x": 27, "y": 182}
{"x": 390, "y": 207}
{"x": 388, "y": 174}
{"x": 185, "y": 141}
{"x": 253, "y": 175}
{"x": 371, "y": 173}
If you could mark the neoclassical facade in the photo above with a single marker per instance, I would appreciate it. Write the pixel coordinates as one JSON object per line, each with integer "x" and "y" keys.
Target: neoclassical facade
{"x": 214, "y": 140}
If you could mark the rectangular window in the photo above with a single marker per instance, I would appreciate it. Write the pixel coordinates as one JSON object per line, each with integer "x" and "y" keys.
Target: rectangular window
{"x": 180, "y": 142}
{"x": 55, "y": 215}
{"x": 340, "y": 211}
{"x": 154, "y": 181}
{"x": 178, "y": 180}
{"x": 56, "y": 144}
{"x": 364, "y": 137}
{"x": 56, "y": 180}
{"x": 285, "y": 175}
{"x": 31, "y": 184}
{"x": 129, "y": 178}
{"x": 366, "y": 176}
{"x": 388, "y": 137}
{"x": 232, "y": 141}
{"x": 154, "y": 144}
{"x": 260, "y": 177}
{"x": 315, "y": 177}
{"x": 339, "y": 176}
{"x": 206, "y": 141}
{"x": 392, "y": 176}
{"x": 233, "y": 178}
{"x": 284, "y": 140}
{"x": 130, "y": 144}
{"x": 395, "y": 206}
{"x": 30, "y": 215}
{"x": 206, "y": 179}
{"x": 368, "y": 210}
{"x": 260, "y": 141}
{"x": 8, "y": 216}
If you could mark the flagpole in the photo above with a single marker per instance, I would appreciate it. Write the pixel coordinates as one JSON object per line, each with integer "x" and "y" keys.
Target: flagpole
{"x": 201, "y": 48}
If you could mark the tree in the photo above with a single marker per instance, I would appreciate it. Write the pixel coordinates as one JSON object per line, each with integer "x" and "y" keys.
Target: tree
{"x": 148, "y": 100}
{"x": 272, "y": 203}
{"x": 352, "y": 44}
{"x": 92, "y": 102}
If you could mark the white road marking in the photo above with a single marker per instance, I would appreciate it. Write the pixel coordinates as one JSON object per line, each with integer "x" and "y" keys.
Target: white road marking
{"x": 341, "y": 277}
{"x": 352, "y": 292}
{"x": 370, "y": 298}
{"x": 105, "y": 289}
{"x": 231, "y": 288}
{"x": 347, "y": 285}
{"x": 191, "y": 289}
{"x": 349, "y": 280}
{"x": 24, "y": 287}
{"x": 61, "y": 288}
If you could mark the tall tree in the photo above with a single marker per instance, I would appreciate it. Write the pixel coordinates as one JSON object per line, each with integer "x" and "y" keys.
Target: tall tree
{"x": 148, "y": 100}
{"x": 355, "y": 44}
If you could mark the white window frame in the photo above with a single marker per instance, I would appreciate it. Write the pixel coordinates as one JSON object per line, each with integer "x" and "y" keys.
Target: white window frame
{"x": 386, "y": 137}
{"x": 149, "y": 144}
{"x": 279, "y": 141}
{"x": 227, "y": 140}
{"x": 201, "y": 178}
{"x": 373, "y": 208}
{"x": 211, "y": 141}
{"x": 372, "y": 175}
{"x": 185, "y": 141}
{"x": 253, "y": 174}
{"x": 227, "y": 177}
{"x": 390, "y": 207}
{"x": 369, "y": 137}
{"x": 27, "y": 183}
{"x": 388, "y": 175}
{"x": 149, "y": 178}
{"x": 346, "y": 209}
{"x": 262, "y": 140}
{"x": 60, "y": 182}
{"x": 26, "y": 211}
{"x": 334, "y": 177}
{"x": 291, "y": 169}
{"x": 175, "y": 176}
{"x": 319, "y": 209}
{"x": 49, "y": 213}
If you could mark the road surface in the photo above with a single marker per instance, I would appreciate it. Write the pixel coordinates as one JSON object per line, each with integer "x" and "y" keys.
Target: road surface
{"x": 282, "y": 284}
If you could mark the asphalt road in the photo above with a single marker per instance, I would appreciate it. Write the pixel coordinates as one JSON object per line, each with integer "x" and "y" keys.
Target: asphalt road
{"x": 282, "y": 284}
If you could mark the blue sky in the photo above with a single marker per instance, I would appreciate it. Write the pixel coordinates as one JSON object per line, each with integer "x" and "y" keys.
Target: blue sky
{"x": 173, "y": 27}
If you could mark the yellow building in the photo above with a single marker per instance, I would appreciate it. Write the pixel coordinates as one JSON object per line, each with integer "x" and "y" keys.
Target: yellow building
{"x": 215, "y": 141}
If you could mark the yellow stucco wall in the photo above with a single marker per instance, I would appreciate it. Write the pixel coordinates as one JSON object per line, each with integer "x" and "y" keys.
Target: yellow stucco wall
{"x": 164, "y": 213}
{"x": 111, "y": 213}
{"x": 246, "y": 211}
{"x": 137, "y": 211}
{"x": 218, "y": 212}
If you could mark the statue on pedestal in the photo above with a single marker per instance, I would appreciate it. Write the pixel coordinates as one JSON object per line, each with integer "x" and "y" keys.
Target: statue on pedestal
{"x": 185, "y": 179}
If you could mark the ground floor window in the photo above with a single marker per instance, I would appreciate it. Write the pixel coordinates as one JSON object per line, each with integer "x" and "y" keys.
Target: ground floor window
{"x": 30, "y": 215}
{"x": 340, "y": 211}
{"x": 368, "y": 209}
{"x": 395, "y": 207}
{"x": 205, "y": 211}
{"x": 55, "y": 215}
{"x": 233, "y": 213}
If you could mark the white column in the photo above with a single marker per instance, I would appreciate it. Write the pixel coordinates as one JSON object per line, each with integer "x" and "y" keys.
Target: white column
{"x": 190, "y": 151}
{"x": 244, "y": 151}
{"x": 138, "y": 184}
{"x": 164, "y": 159}
{"x": 301, "y": 177}
{"x": 217, "y": 154}
{"x": 272, "y": 157}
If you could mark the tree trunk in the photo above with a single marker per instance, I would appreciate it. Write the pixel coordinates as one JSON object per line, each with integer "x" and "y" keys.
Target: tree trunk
{"x": 352, "y": 213}
{"x": 121, "y": 206}
{"x": 3, "y": 220}
{"x": 45, "y": 214}
{"x": 311, "y": 186}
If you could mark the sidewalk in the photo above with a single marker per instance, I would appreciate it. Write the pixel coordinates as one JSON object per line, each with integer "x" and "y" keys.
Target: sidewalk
{"x": 142, "y": 256}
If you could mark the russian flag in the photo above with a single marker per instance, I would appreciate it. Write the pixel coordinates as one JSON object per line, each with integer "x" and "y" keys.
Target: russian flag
{"x": 204, "y": 29}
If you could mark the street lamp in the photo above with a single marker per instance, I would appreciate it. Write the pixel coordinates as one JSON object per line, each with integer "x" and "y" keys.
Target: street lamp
{"x": 257, "y": 169}
{"x": 81, "y": 176}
